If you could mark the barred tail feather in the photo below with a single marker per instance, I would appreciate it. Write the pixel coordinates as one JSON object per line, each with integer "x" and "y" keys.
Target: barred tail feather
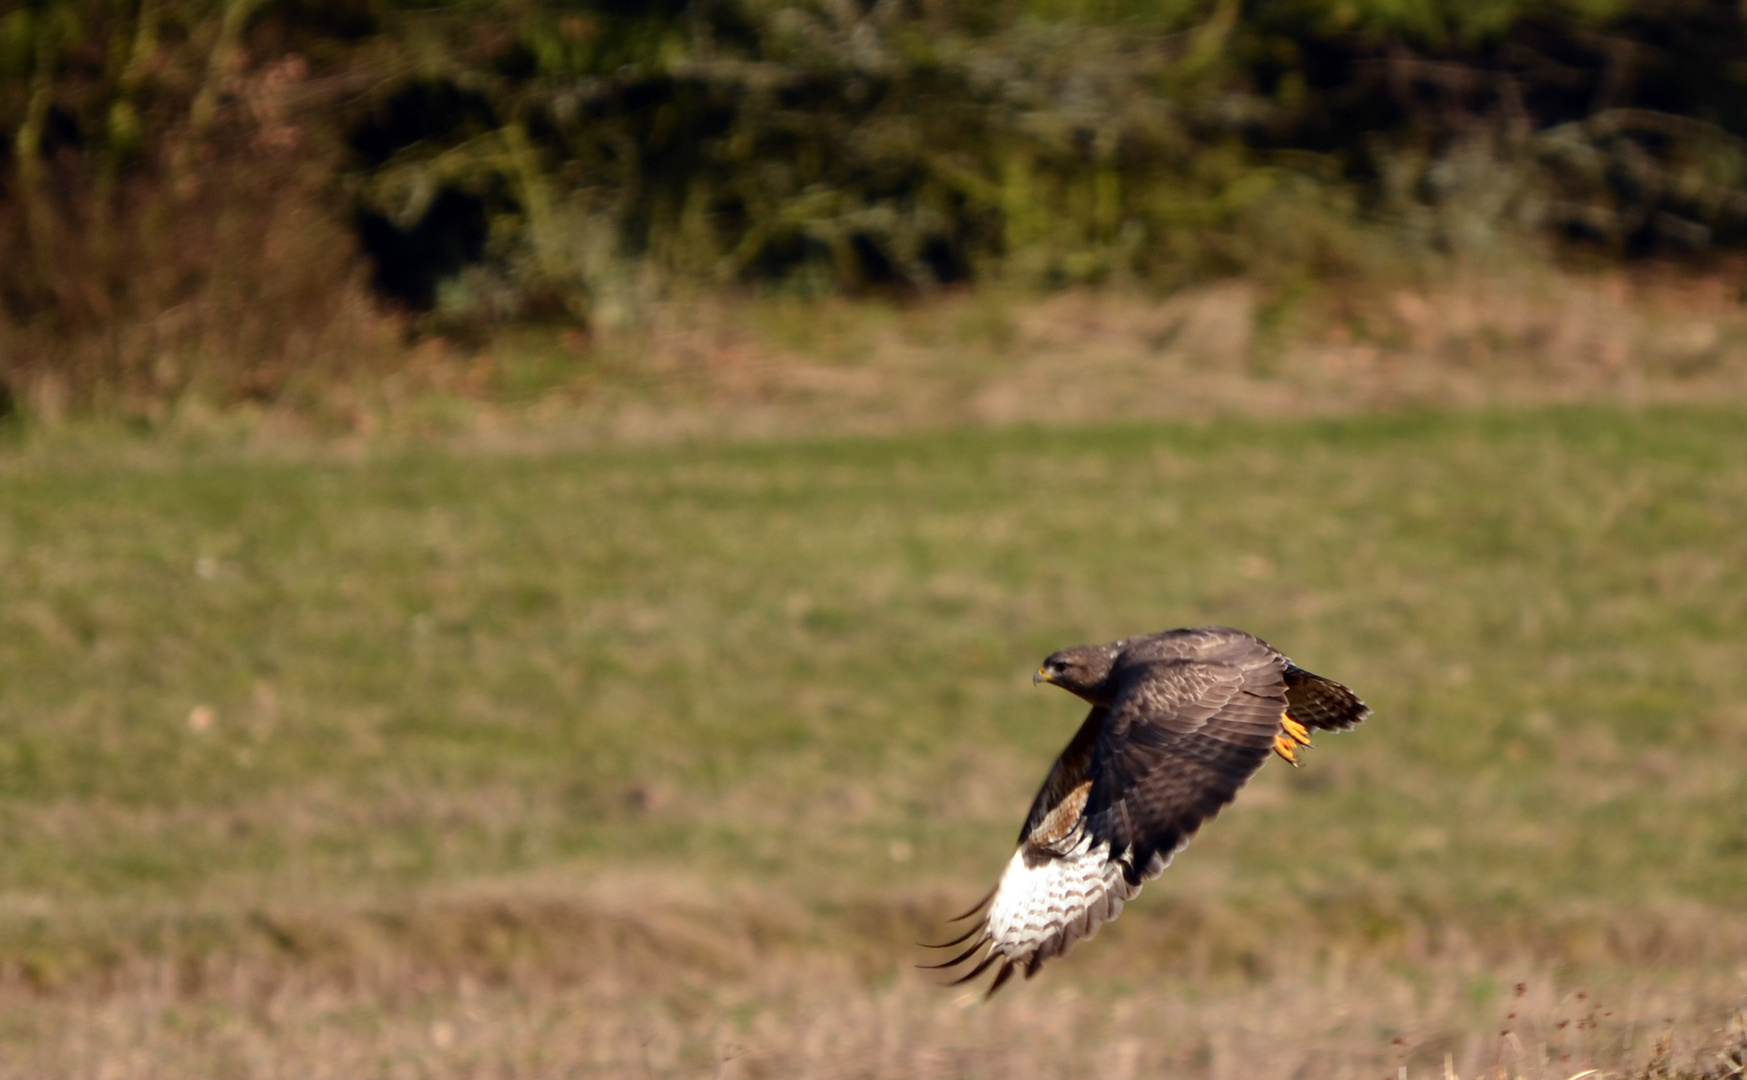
{"x": 1321, "y": 704}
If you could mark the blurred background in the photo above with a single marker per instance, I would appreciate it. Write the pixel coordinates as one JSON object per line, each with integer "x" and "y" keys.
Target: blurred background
{"x": 525, "y": 528}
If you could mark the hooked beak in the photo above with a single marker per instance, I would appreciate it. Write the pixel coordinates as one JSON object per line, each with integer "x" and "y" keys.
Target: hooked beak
{"x": 1042, "y": 676}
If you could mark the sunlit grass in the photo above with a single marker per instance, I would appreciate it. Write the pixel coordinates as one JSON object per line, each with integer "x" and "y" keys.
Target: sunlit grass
{"x": 801, "y": 672}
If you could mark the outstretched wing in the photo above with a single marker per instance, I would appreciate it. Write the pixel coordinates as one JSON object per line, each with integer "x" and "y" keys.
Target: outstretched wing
{"x": 1179, "y": 744}
{"x": 1174, "y": 746}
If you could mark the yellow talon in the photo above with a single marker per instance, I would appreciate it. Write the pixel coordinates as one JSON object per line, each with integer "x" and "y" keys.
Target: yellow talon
{"x": 1300, "y": 734}
{"x": 1287, "y": 750}
{"x": 1292, "y": 735}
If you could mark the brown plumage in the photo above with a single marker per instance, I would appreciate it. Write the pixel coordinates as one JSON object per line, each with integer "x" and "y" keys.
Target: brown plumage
{"x": 1180, "y": 721}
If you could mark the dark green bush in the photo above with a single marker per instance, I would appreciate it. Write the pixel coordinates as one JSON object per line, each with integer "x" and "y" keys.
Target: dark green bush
{"x": 187, "y": 182}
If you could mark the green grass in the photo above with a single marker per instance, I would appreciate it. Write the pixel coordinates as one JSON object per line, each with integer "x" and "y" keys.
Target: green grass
{"x": 769, "y": 664}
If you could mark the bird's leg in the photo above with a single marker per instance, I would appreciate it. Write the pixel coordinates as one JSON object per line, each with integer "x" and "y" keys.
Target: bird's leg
{"x": 1292, "y": 736}
{"x": 1300, "y": 734}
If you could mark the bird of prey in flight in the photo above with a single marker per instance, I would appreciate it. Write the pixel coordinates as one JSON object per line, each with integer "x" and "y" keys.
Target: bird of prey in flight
{"x": 1180, "y": 721}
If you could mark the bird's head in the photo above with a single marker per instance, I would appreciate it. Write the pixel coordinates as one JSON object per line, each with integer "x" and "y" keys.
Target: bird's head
{"x": 1082, "y": 670}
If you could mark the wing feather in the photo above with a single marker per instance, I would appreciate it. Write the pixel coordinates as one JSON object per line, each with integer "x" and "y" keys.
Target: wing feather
{"x": 1165, "y": 778}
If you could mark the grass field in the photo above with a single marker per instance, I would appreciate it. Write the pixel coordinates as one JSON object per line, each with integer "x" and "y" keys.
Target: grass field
{"x": 655, "y": 762}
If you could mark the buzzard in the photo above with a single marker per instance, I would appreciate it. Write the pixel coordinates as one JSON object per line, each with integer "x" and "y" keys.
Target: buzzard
{"x": 1179, "y": 721}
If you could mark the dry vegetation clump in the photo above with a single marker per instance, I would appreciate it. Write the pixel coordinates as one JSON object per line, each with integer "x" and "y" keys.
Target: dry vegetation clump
{"x": 172, "y": 221}
{"x": 1730, "y": 1061}
{"x": 1720, "y": 1056}
{"x": 215, "y": 269}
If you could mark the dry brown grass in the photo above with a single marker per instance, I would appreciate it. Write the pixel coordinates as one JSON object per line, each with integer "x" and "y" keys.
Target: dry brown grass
{"x": 653, "y": 975}
{"x": 710, "y": 367}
